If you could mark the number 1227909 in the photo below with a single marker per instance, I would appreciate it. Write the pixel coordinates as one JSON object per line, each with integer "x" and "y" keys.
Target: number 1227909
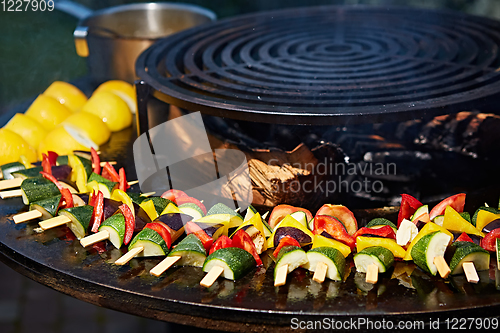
{"x": 27, "y": 5}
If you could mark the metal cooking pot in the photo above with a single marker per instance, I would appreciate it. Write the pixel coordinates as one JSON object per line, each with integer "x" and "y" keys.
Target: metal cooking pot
{"x": 111, "y": 39}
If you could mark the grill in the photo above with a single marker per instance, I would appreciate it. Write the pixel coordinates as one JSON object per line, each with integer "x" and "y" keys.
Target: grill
{"x": 329, "y": 65}
{"x": 412, "y": 88}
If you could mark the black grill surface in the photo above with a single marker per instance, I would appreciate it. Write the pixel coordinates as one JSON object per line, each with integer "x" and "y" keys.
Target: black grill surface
{"x": 329, "y": 65}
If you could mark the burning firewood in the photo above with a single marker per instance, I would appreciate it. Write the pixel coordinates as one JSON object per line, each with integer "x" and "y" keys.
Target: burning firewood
{"x": 299, "y": 177}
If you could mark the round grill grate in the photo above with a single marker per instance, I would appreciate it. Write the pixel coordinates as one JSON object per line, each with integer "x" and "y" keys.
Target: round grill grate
{"x": 325, "y": 65}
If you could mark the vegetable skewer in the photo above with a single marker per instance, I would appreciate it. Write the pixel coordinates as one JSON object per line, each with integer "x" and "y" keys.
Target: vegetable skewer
{"x": 189, "y": 252}
{"x": 231, "y": 262}
{"x": 327, "y": 259}
{"x": 156, "y": 238}
{"x": 421, "y": 248}
{"x": 288, "y": 236}
{"x": 192, "y": 250}
{"x": 376, "y": 249}
{"x": 76, "y": 218}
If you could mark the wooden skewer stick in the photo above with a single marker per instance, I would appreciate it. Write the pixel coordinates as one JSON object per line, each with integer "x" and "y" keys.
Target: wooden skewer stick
{"x": 320, "y": 272}
{"x": 442, "y": 267}
{"x": 470, "y": 272}
{"x": 110, "y": 162}
{"x": 54, "y": 222}
{"x": 372, "y": 274}
{"x": 237, "y": 210}
{"x": 265, "y": 215}
{"x": 147, "y": 194}
{"x": 94, "y": 238}
{"x": 11, "y": 194}
{"x": 133, "y": 182}
{"x": 281, "y": 274}
{"x": 129, "y": 255}
{"x": 27, "y": 216}
{"x": 10, "y": 183}
{"x": 164, "y": 265}
{"x": 211, "y": 276}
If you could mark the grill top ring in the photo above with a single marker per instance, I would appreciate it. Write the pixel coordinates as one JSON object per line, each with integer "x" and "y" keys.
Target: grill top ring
{"x": 329, "y": 65}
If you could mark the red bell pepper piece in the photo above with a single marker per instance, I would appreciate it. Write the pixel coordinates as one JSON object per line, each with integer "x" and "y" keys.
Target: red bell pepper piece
{"x": 97, "y": 202}
{"x": 280, "y": 211}
{"x": 92, "y": 199}
{"x": 162, "y": 231}
{"x": 457, "y": 202}
{"x": 129, "y": 223}
{"x": 489, "y": 241}
{"x": 172, "y": 195}
{"x": 46, "y": 164}
{"x": 193, "y": 228}
{"x": 52, "y": 157}
{"x": 385, "y": 231}
{"x": 334, "y": 228}
{"x": 341, "y": 213}
{"x": 408, "y": 207}
{"x": 123, "y": 180}
{"x": 110, "y": 173}
{"x": 221, "y": 243}
{"x": 242, "y": 240}
{"x": 67, "y": 197}
{"x": 53, "y": 179}
{"x": 96, "y": 161}
{"x": 464, "y": 238}
{"x": 285, "y": 241}
{"x": 187, "y": 199}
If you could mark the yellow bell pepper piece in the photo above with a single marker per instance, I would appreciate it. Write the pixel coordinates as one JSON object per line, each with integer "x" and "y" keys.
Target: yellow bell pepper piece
{"x": 321, "y": 241}
{"x": 217, "y": 219}
{"x": 484, "y": 217}
{"x": 388, "y": 243}
{"x": 426, "y": 229}
{"x": 149, "y": 207}
{"x": 75, "y": 164}
{"x": 171, "y": 208}
{"x": 120, "y": 195}
{"x": 455, "y": 222}
{"x": 81, "y": 178}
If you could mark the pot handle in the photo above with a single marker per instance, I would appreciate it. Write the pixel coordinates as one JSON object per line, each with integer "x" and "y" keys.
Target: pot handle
{"x": 80, "y": 34}
{"x": 81, "y": 45}
{"x": 74, "y": 9}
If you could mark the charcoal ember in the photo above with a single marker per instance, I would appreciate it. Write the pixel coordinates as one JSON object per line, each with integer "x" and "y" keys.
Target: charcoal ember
{"x": 407, "y": 131}
{"x": 486, "y": 141}
{"x": 356, "y": 144}
{"x": 431, "y": 132}
{"x": 471, "y": 134}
